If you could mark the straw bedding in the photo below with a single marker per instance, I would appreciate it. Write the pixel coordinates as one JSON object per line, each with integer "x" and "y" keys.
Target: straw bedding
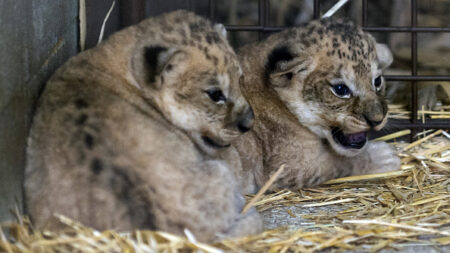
{"x": 406, "y": 210}
{"x": 400, "y": 111}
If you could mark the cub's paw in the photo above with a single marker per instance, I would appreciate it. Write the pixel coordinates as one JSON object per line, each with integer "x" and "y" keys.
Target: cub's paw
{"x": 249, "y": 224}
{"x": 381, "y": 158}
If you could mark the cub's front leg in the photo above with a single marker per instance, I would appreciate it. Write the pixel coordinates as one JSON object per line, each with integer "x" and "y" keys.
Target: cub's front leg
{"x": 378, "y": 157}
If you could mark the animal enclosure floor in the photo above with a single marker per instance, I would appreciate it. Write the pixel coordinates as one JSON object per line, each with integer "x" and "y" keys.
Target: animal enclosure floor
{"x": 406, "y": 211}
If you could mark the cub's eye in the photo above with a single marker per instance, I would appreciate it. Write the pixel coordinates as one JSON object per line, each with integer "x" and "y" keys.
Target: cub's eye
{"x": 216, "y": 95}
{"x": 341, "y": 90}
{"x": 377, "y": 82}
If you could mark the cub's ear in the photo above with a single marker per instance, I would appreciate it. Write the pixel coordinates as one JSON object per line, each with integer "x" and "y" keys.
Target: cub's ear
{"x": 154, "y": 62}
{"x": 221, "y": 30}
{"x": 384, "y": 55}
{"x": 155, "y": 58}
{"x": 282, "y": 65}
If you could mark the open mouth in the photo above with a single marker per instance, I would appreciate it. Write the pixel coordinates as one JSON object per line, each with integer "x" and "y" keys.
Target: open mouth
{"x": 355, "y": 140}
{"x": 213, "y": 143}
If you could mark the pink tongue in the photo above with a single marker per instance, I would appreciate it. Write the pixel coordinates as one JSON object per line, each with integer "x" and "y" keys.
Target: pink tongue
{"x": 358, "y": 137}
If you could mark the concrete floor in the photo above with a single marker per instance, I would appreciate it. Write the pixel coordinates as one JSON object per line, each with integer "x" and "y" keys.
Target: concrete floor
{"x": 279, "y": 217}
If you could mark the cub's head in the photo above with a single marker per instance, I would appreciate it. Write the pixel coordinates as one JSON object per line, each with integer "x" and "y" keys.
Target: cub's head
{"x": 192, "y": 76}
{"x": 328, "y": 74}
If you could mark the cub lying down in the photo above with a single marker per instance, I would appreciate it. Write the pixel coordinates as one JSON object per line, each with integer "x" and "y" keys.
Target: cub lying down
{"x": 128, "y": 135}
{"x": 316, "y": 91}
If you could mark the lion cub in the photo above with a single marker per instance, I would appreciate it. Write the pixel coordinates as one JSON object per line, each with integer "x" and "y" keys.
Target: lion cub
{"x": 316, "y": 91}
{"x": 128, "y": 135}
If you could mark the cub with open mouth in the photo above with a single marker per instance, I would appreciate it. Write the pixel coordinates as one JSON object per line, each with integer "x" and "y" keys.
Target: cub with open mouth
{"x": 316, "y": 91}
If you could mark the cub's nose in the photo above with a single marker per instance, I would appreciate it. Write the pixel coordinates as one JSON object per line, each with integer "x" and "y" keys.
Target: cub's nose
{"x": 372, "y": 123}
{"x": 374, "y": 113}
{"x": 245, "y": 120}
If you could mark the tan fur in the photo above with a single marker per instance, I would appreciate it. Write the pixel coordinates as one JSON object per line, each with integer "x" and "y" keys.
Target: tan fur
{"x": 116, "y": 147}
{"x": 295, "y": 108}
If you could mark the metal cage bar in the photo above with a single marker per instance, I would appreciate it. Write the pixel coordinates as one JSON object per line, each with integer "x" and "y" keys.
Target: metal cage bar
{"x": 263, "y": 19}
{"x": 414, "y": 105}
{"x": 364, "y": 13}
{"x": 131, "y": 12}
{"x": 429, "y": 78}
{"x": 316, "y": 9}
{"x": 405, "y": 29}
{"x": 212, "y": 10}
